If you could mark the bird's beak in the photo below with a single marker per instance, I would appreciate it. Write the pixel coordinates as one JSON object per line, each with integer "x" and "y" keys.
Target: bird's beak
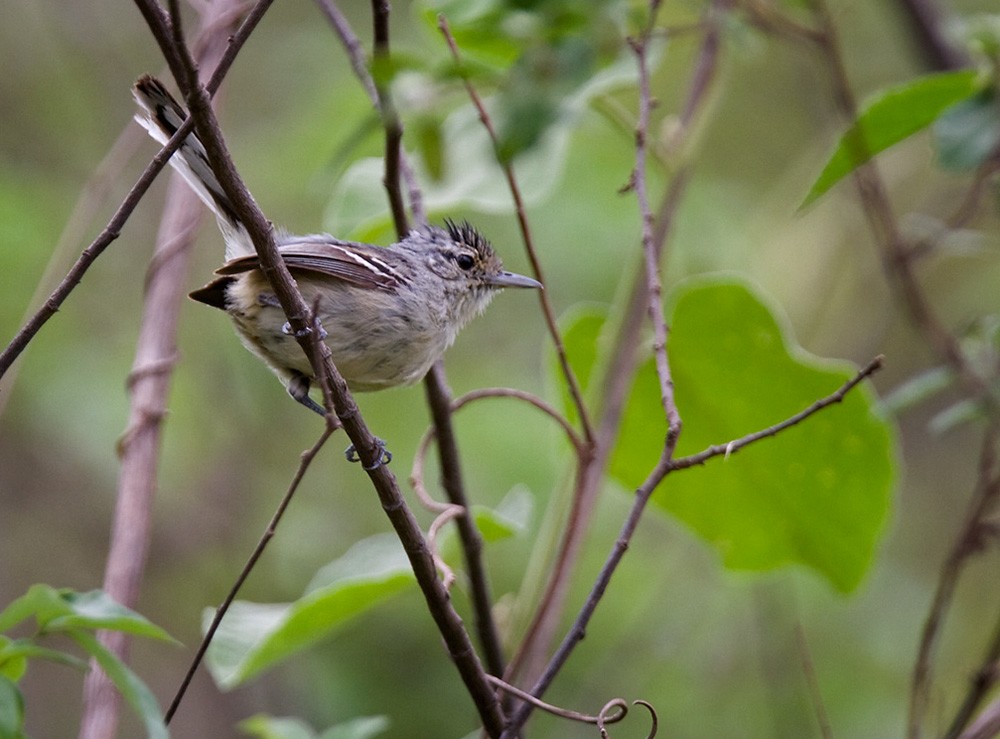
{"x": 509, "y": 279}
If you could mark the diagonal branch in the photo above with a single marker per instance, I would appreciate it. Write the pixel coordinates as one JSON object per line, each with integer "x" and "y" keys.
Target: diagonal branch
{"x": 120, "y": 217}
{"x": 274, "y": 270}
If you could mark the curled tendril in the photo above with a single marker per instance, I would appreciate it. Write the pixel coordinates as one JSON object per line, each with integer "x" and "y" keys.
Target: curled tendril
{"x": 605, "y": 717}
{"x": 612, "y": 712}
{"x": 447, "y": 511}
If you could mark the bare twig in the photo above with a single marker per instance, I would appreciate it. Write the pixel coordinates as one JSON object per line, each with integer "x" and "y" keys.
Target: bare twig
{"x": 812, "y": 683}
{"x": 638, "y": 181}
{"x": 307, "y": 457}
{"x": 987, "y": 725}
{"x": 617, "y": 378}
{"x": 731, "y": 447}
{"x": 898, "y": 256}
{"x": 940, "y": 52}
{"x": 390, "y": 118}
{"x": 969, "y": 541}
{"x": 93, "y": 196}
{"x": 984, "y": 679}
{"x": 120, "y": 217}
{"x": 439, "y": 401}
{"x": 663, "y": 467}
{"x": 356, "y": 55}
{"x": 522, "y": 219}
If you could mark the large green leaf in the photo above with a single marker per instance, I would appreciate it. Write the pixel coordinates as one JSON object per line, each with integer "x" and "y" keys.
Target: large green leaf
{"x": 894, "y": 115}
{"x": 255, "y": 636}
{"x": 816, "y": 495}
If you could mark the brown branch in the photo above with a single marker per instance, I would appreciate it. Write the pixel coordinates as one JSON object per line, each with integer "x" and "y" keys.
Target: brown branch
{"x": 663, "y": 467}
{"x": 617, "y": 379}
{"x": 969, "y": 541}
{"x": 812, "y": 684}
{"x": 987, "y": 725}
{"x": 307, "y": 457}
{"x": 655, "y": 305}
{"x": 529, "y": 245}
{"x": 139, "y": 446}
{"x": 984, "y": 679}
{"x": 439, "y": 401}
{"x": 874, "y": 200}
{"x": 390, "y": 118}
{"x": 736, "y": 445}
{"x": 124, "y": 211}
{"x": 300, "y": 319}
{"x": 940, "y": 53}
{"x": 356, "y": 55}
{"x": 898, "y": 260}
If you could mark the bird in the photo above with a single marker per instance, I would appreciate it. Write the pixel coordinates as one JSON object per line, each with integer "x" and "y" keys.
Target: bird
{"x": 386, "y": 313}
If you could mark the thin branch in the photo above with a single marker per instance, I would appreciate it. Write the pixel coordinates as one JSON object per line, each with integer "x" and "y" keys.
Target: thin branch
{"x": 969, "y": 541}
{"x": 522, "y": 219}
{"x": 987, "y": 725}
{"x": 509, "y": 392}
{"x": 985, "y": 678}
{"x": 390, "y": 118}
{"x": 356, "y": 55}
{"x": 655, "y": 304}
{"x": 731, "y": 447}
{"x": 663, "y": 467}
{"x": 307, "y": 457}
{"x": 564, "y": 712}
{"x": 139, "y": 445}
{"x": 120, "y": 217}
{"x": 874, "y": 200}
{"x": 617, "y": 378}
{"x": 812, "y": 683}
{"x": 439, "y": 401}
{"x": 940, "y": 52}
{"x": 149, "y": 385}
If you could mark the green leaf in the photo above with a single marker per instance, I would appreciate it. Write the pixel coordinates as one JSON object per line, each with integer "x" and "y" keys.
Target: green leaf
{"x": 97, "y": 610}
{"x": 41, "y": 601}
{"x": 363, "y": 727}
{"x": 11, "y": 710}
{"x": 276, "y": 727}
{"x": 583, "y": 329}
{"x": 134, "y": 690}
{"x": 968, "y": 132}
{"x": 13, "y": 663}
{"x": 507, "y": 519}
{"x": 893, "y": 116}
{"x": 255, "y": 636}
{"x": 15, "y": 653}
{"x": 272, "y": 727}
{"x": 468, "y": 175}
{"x": 817, "y": 494}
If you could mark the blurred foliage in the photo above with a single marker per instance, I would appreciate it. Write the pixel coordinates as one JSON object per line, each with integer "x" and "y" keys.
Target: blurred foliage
{"x": 675, "y": 628}
{"x": 75, "y": 615}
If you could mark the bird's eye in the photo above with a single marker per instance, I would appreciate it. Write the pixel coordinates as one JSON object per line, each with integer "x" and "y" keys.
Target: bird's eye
{"x": 465, "y": 262}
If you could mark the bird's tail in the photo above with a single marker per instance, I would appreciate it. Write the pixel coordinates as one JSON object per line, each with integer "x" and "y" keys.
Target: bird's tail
{"x": 161, "y": 116}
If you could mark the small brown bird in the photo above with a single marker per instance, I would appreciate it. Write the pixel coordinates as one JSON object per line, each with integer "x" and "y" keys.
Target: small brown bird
{"x": 388, "y": 313}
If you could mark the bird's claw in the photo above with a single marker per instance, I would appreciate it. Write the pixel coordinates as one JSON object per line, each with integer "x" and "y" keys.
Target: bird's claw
{"x": 286, "y": 329}
{"x": 384, "y": 455}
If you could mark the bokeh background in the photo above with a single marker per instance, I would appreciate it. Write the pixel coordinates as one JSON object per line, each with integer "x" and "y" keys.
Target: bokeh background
{"x": 714, "y": 651}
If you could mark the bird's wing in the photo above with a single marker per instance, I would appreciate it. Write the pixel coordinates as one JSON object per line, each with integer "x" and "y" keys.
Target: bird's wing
{"x": 363, "y": 265}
